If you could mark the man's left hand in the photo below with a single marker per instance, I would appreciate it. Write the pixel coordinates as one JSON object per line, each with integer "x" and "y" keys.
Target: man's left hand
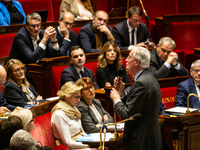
{"x": 114, "y": 95}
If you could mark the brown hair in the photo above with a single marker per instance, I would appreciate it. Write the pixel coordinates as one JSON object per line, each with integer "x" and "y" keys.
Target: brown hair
{"x": 102, "y": 62}
{"x": 84, "y": 81}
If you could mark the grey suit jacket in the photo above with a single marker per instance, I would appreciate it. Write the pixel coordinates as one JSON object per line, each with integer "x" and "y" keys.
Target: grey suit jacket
{"x": 89, "y": 119}
{"x": 144, "y": 97}
{"x": 161, "y": 71}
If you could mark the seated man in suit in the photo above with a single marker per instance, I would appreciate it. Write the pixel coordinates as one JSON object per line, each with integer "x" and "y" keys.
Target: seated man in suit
{"x": 132, "y": 32}
{"x": 191, "y": 85}
{"x": 65, "y": 36}
{"x": 164, "y": 62}
{"x": 31, "y": 43}
{"x": 76, "y": 70}
{"x": 95, "y": 34}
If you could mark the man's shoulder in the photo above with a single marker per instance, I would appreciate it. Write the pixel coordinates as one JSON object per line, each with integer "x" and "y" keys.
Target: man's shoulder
{"x": 121, "y": 24}
{"x": 187, "y": 81}
{"x": 68, "y": 68}
{"x": 87, "y": 26}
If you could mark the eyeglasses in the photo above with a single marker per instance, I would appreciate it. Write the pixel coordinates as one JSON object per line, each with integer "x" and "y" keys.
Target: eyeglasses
{"x": 19, "y": 69}
{"x": 135, "y": 20}
{"x": 2, "y": 82}
{"x": 67, "y": 23}
{"x": 77, "y": 97}
{"x": 196, "y": 70}
{"x": 32, "y": 120}
{"x": 88, "y": 88}
{"x": 35, "y": 25}
{"x": 165, "y": 51}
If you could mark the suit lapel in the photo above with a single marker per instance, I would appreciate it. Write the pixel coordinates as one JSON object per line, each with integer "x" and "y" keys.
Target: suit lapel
{"x": 75, "y": 73}
{"x": 126, "y": 33}
{"x": 193, "y": 90}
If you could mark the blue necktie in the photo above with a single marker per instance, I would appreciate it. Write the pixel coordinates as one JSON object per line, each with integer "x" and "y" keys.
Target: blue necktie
{"x": 82, "y": 73}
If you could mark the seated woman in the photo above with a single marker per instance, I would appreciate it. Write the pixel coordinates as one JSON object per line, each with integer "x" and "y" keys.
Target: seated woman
{"x": 81, "y": 8}
{"x": 27, "y": 118}
{"x": 18, "y": 91}
{"x": 7, "y": 128}
{"x": 109, "y": 64}
{"x": 93, "y": 115}
{"x": 11, "y": 12}
{"x": 66, "y": 118}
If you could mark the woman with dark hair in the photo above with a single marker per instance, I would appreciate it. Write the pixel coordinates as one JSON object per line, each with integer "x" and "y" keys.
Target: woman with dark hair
{"x": 93, "y": 115}
{"x": 79, "y": 8}
{"x": 11, "y": 12}
{"x": 18, "y": 91}
{"x": 7, "y": 128}
{"x": 109, "y": 65}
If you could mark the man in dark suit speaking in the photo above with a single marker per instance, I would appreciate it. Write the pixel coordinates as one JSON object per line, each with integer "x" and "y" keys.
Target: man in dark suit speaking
{"x": 76, "y": 70}
{"x": 144, "y": 98}
{"x": 132, "y": 32}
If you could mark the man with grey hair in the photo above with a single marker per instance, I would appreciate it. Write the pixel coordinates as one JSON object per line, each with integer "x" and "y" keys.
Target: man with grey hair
{"x": 164, "y": 62}
{"x": 31, "y": 43}
{"x": 65, "y": 36}
{"x": 131, "y": 32}
{"x": 23, "y": 140}
{"x": 144, "y": 98}
{"x": 191, "y": 85}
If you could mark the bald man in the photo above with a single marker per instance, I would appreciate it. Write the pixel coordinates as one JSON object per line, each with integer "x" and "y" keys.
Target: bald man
{"x": 65, "y": 36}
{"x": 3, "y": 102}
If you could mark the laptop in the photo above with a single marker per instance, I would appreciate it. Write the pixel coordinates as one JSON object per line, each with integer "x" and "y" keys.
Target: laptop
{"x": 43, "y": 14}
{"x": 117, "y": 12}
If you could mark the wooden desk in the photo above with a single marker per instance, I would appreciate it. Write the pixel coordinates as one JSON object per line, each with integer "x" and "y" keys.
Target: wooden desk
{"x": 77, "y": 24}
{"x": 188, "y": 127}
{"x": 197, "y": 53}
{"x": 163, "y": 24}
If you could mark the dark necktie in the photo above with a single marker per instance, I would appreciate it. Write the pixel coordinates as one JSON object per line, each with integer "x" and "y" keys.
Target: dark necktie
{"x": 82, "y": 73}
{"x": 133, "y": 36}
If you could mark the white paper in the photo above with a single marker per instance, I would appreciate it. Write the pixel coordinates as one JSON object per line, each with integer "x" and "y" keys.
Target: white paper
{"x": 181, "y": 110}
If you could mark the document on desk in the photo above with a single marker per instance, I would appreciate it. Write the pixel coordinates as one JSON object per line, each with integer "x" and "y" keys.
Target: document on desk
{"x": 95, "y": 137}
{"x": 181, "y": 110}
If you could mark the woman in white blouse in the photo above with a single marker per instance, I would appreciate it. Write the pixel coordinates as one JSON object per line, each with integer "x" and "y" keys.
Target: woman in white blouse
{"x": 66, "y": 118}
{"x": 81, "y": 8}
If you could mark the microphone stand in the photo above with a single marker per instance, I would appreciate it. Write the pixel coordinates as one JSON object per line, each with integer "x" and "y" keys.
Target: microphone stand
{"x": 191, "y": 94}
{"x": 145, "y": 13}
{"x": 115, "y": 133}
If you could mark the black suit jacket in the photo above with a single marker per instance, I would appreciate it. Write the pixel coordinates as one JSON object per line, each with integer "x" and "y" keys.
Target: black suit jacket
{"x": 70, "y": 74}
{"x": 23, "y": 49}
{"x": 65, "y": 45}
{"x": 88, "y": 118}
{"x": 144, "y": 97}
{"x": 161, "y": 71}
{"x": 87, "y": 40}
{"x": 121, "y": 34}
{"x": 15, "y": 96}
{"x": 3, "y": 102}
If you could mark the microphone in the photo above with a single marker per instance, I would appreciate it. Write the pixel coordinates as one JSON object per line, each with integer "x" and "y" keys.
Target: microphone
{"x": 175, "y": 139}
{"x": 145, "y": 13}
{"x": 120, "y": 73}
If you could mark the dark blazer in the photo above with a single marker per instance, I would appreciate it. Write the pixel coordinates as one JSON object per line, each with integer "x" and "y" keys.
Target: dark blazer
{"x": 89, "y": 119}
{"x": 23, "y": 49}
{"x": 161, "y": 71}
{"x": 121, "y": 34}
{"x": 144, "y": 97}
{"x": 15, "y": 96}
{"x": 70, "y": 74}
{"x": 183, "y": 90}
{"x": 65, "y": 45}
{"x": 3, "y": 102}
{"x": 87, "y": 40}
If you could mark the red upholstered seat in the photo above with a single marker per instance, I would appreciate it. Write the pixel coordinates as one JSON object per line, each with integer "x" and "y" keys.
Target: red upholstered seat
{"x": 76, "y": 30}
{"x": 30, "y": 5}
{"x": 168, "y": 96}
{"x": 189, "y": 58}
{"x": 56, "y": 75}
{"x": 6, "y": 44}
{"x": 92, "y": 66}
{"x": 43, "y": 132}
{"x": 185, "y": 34}
{"x": 56, "y": 9}
{"x": 187, "y": 6}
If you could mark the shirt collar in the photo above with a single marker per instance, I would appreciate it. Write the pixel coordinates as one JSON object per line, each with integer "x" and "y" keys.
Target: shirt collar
{"x": 137, "y": 75}
{"x": 33, "y": 39}
{"x": 78, "y": 70}
{"x": 129, "y": 27}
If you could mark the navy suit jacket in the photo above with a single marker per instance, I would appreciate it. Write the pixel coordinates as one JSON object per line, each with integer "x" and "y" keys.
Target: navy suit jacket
{"x": 121, "y": 34}
{"x": 3, "y": 102}
{"x": 161, "y": 71}
{"x": 183, "y": 90}
{"x": 70, "y": 74}
{"x": 23, "y": 49}
{"x": 87, "y": 40}
{"x": 65, "y": 45}
{"x": 144, "y": 98}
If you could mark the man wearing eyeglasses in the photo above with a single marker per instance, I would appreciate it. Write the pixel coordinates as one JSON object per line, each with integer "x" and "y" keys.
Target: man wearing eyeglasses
{"x": 65, "y": 36}
{"x": 32, "y": 43}
{"x": 4, "y": 106}
{"x": 95, "y": 34}
{"x": 164, "y": 62}
{"x": 131, "y": 32}
{"x": 191, "y": 85}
